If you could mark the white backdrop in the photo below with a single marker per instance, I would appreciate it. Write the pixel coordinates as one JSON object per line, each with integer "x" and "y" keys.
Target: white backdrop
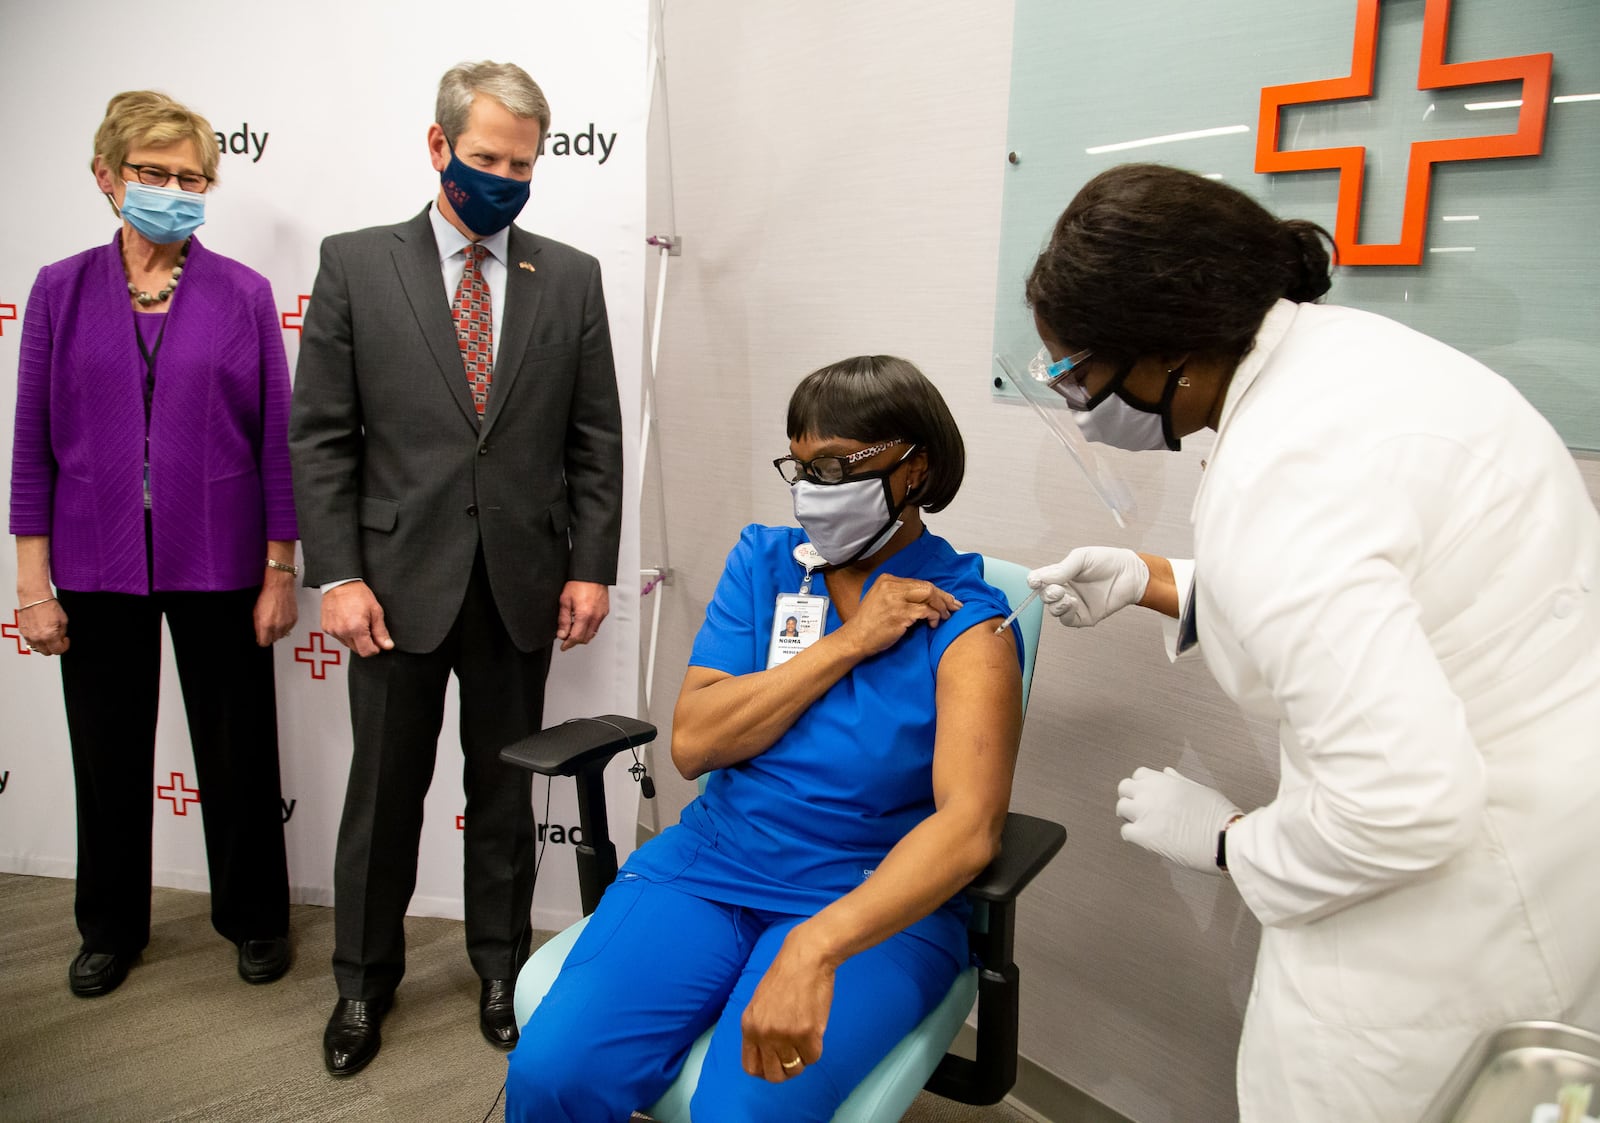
{"x": 322, "y": 110}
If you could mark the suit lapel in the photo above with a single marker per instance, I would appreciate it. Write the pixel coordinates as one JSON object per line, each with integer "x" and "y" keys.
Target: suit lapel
{"x": 113, "y": 283}
{"x": 416, "y": 260}
{"x": 114, "y": 279}
{"x": 196, "y": 271}
{"x": 524, "y": 293}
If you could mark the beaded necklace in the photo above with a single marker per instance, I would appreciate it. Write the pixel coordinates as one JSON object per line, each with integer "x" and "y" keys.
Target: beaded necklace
{"x": 146, "y": 299}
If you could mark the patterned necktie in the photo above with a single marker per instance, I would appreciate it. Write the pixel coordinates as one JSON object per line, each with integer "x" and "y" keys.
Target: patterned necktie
{"x": 474, "y": 325}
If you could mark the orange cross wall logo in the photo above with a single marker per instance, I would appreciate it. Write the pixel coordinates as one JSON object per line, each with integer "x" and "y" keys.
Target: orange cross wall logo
{"x": 7, "y": 312}
{"x": 1433, "y": 73}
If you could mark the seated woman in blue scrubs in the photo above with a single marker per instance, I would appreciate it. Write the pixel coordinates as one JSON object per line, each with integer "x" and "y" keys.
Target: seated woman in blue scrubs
{"x": 808, "y": 902}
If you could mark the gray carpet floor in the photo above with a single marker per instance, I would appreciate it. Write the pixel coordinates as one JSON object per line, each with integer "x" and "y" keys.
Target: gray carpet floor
{"x": 185, "y": 1039}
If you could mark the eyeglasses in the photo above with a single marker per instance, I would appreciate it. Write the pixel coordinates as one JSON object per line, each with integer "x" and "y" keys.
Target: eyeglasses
{"x": 152, "y": 176}
{"x": 831, "y": 469}
{"x": 1059, "y": 376}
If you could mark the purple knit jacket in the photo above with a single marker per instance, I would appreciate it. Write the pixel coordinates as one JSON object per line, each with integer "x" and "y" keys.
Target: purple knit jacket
{"x": 219, "y": 454}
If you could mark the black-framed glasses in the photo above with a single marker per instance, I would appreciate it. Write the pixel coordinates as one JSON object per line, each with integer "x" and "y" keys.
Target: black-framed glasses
{"x": 152, "y": 175}
{"x": 832, "y": 469}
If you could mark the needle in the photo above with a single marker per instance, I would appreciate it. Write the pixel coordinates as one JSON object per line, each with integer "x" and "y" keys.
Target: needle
{"x": 1006, "y": 623}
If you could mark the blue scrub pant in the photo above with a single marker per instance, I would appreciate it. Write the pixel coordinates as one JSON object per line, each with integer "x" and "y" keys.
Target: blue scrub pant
{"x": 655, "y": 966}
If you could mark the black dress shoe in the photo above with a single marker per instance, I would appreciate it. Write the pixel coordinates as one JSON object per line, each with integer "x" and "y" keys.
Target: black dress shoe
{"x": 497, "y": 1015}
{"x": 351, "y": 1039}
{"x": 94, "y": 973}
{"x": 262, "y": 961}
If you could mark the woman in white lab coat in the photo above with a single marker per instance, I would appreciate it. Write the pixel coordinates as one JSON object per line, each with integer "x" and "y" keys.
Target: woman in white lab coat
{"x": 1395, "y": 558}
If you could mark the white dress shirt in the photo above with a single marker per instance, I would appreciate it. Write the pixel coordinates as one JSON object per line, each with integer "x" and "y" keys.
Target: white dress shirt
{"x": 451, "y": 263}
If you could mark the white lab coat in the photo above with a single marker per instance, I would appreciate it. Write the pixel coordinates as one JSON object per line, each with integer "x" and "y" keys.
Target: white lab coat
{"x": 1396, "y": 558}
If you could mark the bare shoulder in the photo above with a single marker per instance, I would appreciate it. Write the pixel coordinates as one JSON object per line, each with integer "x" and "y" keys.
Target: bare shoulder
{"x": 981, "y": 657}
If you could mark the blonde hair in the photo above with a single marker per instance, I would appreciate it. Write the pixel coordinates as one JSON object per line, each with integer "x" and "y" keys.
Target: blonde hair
{"x": 506, "y": 82}
{"x": 138, "y": 117}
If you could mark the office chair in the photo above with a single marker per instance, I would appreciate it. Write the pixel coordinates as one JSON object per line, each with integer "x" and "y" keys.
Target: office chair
{"x": 581, "y": 749}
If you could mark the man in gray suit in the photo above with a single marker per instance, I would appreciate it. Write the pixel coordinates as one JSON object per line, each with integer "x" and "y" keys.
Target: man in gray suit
{"x": 456, "y": 445}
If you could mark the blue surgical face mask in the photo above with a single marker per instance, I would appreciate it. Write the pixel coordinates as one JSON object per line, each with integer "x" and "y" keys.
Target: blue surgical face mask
{"x": 163, "y": 214}
{"x": 486, "y": 203}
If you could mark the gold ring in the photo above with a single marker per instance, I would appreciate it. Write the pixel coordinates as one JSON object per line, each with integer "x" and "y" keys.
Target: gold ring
{"x": 789, "y": 1065}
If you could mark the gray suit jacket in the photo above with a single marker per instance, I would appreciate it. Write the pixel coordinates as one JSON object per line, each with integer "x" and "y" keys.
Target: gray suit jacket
{"x": 396, "y": 480}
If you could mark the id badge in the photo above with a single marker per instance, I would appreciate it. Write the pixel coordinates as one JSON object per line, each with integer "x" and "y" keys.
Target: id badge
{"x": 797, "y": 623}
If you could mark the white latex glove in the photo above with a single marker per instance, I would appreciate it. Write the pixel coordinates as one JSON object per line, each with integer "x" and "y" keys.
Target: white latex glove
{"x": 1090, "y": 584}
{"x": 1170, "y": 814}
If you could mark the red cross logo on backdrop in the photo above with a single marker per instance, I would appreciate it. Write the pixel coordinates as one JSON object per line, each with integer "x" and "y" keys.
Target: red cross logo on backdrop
{"x": 1433, "y": 73}
{"x": 299, "y": 314}
{"x": 7, "y": 312}
{"x": 179, "y": 793}
{"x": 461, "y": 822}
{"x": 12, "y": 631}
{"x": 318, "y": 654}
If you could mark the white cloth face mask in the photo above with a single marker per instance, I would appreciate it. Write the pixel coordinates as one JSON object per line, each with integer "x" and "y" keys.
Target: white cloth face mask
{"x": 1120, "y": 421}
{"x": 846, "y": 521}
{"x": 1116, "y": 423}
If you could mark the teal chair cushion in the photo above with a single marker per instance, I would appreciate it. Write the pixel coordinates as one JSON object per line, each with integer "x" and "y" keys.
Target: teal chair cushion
{"x": 889, "y": 1089}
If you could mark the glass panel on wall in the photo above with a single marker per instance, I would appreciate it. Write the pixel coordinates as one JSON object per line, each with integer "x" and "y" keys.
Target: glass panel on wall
{"x": 1505, "y": 254}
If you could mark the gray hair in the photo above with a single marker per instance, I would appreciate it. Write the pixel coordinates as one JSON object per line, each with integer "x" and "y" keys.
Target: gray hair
{"x": 506, "y": 82}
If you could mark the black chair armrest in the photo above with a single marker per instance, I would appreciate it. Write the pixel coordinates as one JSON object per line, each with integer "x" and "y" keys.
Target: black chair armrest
{"x": 1026, "y": 847}
{"x": 566, "y": 749}
{"x": 581, "y": 748}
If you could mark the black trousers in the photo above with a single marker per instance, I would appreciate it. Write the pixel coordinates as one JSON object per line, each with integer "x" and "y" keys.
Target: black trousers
{"x": 111, "y": 677}
{"x": 396, "y": 712}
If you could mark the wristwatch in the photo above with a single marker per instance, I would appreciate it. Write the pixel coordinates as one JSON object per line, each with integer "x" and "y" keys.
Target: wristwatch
{"x": 1222, "y": 842}
{"x": 287, "y": 567}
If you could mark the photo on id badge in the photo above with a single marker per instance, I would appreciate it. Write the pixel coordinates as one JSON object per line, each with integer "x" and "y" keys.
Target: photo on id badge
{"x": 797, "y": 623}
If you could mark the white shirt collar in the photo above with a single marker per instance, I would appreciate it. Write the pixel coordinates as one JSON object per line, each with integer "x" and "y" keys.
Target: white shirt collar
{"x": 450, "y": 240}
{"x": 1274, "y": 326}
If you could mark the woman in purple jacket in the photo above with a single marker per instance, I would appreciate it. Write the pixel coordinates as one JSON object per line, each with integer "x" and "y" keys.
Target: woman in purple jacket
{"x": 150, "y": 478}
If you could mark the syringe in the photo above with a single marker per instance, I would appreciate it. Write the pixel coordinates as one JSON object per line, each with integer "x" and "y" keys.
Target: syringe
{"x": 1006, "y": 623}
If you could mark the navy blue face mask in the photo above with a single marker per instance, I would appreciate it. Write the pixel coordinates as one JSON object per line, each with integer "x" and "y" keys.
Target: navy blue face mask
{"x": 486, "y": 203}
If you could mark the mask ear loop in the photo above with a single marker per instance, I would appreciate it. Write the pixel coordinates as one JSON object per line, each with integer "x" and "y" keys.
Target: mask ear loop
{"x": 1162, "y": 409}
{"x": 888, "y": 501}
{"x": 906, "y": 500}
{"x": 1175, "y": 379}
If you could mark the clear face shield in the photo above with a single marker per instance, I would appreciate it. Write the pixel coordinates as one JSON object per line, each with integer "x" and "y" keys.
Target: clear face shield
{"x": 1036, "y": 380}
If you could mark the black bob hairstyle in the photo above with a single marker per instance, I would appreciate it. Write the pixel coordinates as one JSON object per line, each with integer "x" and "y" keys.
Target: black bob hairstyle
{"x": 874, "y": 398}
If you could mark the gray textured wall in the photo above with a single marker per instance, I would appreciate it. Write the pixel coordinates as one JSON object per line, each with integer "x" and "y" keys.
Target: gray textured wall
{"x": 836, "y": 171}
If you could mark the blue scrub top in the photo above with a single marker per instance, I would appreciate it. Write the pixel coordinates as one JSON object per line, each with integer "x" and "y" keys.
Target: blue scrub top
{"x": 798, "y": 826}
